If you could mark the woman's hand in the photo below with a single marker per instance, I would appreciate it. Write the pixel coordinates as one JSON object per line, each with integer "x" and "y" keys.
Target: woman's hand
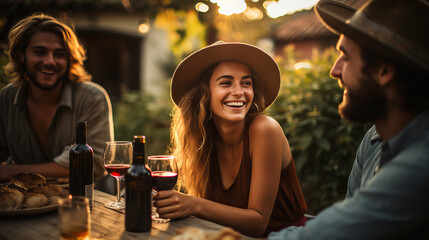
{"x": 172, "y": 204}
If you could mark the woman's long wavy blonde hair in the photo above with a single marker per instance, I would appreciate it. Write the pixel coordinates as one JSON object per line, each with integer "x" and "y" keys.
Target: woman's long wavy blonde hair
{"x": 19, "y": 38}
{"x": 193, "y": 134}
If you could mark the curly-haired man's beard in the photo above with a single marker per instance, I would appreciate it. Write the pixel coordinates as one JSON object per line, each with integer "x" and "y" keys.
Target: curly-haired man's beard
{"x": 34, "y": 80}
{"x": 364, "y": 104}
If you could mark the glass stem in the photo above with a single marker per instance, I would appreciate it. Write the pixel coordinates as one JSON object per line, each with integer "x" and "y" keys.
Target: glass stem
{"x": 118, "y": 189}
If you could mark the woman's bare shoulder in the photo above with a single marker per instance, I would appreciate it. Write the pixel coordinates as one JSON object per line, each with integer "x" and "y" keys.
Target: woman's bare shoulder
{"x": 264, "y": 124}
{"x": 266, "y": 134}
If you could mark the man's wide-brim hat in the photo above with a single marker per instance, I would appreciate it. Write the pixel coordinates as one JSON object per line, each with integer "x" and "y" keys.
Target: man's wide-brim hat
{"x": 263, "y": 67}
{"x": 396, "y": 29}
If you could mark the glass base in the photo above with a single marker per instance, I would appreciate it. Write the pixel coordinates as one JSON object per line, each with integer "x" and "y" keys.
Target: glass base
{"x": 157, "y": 219}
{"x": 116, "y": 205}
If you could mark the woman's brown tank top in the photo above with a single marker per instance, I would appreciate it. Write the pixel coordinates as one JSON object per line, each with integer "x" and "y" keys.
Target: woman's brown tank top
{"x": 289, "y": 205}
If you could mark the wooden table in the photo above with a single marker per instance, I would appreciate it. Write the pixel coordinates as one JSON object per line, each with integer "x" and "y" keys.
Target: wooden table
{"x": 105, "y": 223}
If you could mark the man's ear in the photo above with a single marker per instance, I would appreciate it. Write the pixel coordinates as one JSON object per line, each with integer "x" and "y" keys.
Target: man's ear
{"x": 385, "y": 73}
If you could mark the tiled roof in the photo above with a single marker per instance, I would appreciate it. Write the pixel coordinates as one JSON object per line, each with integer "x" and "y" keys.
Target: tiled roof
{"x": 305, "y": 25}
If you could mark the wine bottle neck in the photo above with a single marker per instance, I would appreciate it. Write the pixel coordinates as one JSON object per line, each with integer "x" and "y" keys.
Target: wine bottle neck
{"x": 139, "y": 153}
{"x": 139, "y": 160}
{"x": 81, "y": 129}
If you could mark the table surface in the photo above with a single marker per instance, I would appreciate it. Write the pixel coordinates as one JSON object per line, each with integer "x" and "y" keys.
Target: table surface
{"x": 105, "y": 224}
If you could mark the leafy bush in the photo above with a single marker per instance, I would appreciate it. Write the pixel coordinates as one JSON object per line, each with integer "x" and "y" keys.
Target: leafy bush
{"x": 138, "y": 113}
{"x": 323, "y": 144}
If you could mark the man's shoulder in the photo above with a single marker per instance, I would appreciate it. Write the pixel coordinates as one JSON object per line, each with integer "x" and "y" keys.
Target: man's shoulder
{"x": 8, "y": 88}
{"x": 90, "y": 88}
{"x": 419, "y": 147}
{"x": 8, "y": 92}
{"x": 415, "y": 139}
{"x": 415, "y": 157}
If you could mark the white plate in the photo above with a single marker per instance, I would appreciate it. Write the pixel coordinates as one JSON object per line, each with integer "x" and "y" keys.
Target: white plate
{"x": 29, "y": 211}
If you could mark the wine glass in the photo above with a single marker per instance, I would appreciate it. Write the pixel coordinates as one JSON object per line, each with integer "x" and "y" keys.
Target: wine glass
{"x": 117, "y": 157}
{"x": 164, "y": 177}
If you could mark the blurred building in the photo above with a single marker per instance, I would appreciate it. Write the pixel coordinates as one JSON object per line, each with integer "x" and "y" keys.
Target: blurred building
{"x": 305, "y": 33}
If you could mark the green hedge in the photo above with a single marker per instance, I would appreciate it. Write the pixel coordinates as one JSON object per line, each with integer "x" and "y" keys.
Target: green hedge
{"x": 138, "y": 113}
{"x": 323, "y": 145}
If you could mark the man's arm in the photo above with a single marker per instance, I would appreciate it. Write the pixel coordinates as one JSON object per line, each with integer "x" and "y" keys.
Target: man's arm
{"x": 96, "y": 110}
{"x": 393, "y": 203}
{"x": 100, "y": 128}
{"x": 48, "y": 170}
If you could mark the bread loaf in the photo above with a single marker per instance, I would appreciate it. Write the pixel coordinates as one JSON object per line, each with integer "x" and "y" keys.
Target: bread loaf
{"x": 33, "y": 200}
{"x": 27, "y": 180}
{"x": 48, "y": 189}
{"x": 27, "y": 190}
{"x": 10, "y": 198}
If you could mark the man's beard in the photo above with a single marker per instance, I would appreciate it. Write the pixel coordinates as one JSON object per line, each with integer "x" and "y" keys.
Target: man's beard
{"x": 33, "y": 79}
{"x": 364, "y": 104}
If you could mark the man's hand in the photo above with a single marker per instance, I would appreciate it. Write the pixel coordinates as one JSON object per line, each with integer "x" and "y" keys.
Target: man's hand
{"x": 48, "y": 170}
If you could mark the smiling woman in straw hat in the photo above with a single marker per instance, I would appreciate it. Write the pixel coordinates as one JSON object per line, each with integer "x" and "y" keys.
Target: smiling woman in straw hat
{"x": 236, "y": 162}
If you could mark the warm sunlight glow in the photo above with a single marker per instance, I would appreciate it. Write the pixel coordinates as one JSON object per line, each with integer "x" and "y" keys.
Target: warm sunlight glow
{"x": 283, "y": 7}
{"x": 253, "y": 14}
{"x": 266, "y": 3}
{"x": 301, "y": 65}
{"x": 229, "y": 7}
{"x": 201, "y": 7}
{"x": 144, "y": 27}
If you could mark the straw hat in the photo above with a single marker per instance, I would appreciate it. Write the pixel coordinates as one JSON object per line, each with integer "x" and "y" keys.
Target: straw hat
{"x": 396, "y": 29}
{"x": 263, "y": 67}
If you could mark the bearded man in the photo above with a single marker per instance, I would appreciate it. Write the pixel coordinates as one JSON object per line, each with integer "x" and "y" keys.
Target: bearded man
{"x": 384, "y": 69}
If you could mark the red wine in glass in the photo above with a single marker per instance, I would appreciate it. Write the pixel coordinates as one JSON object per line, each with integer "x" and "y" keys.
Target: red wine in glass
{"x": 164, "y": 180}
{"x": 117, "y": 170}
{"x": 117, "y": 158}
{"x": 164, "y": 177}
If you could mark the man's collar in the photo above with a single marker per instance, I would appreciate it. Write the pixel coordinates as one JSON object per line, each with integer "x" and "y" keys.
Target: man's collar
{"x": 66, "y": 96}
{"x": 375, "y": 137}
{"x": 19, "y": 100}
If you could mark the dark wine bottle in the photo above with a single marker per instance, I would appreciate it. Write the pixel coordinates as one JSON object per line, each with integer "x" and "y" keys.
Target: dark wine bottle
{"x": 138, "y": 190}
{"x": 81, "y": 161}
